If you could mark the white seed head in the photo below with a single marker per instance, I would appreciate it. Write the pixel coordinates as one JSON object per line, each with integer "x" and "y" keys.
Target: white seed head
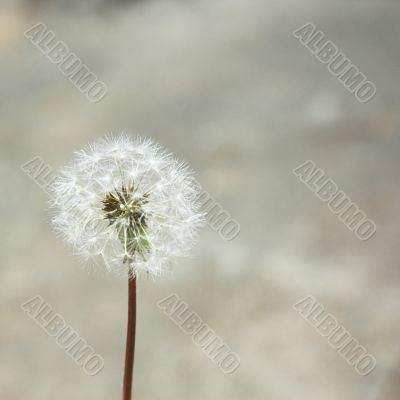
{"x": 127, "y": 204}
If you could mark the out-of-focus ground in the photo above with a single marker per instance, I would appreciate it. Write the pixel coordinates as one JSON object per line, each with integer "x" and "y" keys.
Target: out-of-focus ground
{"x": 224, "y": 85}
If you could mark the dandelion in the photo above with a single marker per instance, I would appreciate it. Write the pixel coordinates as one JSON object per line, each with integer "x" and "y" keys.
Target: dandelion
{"x": 127, "y": 205}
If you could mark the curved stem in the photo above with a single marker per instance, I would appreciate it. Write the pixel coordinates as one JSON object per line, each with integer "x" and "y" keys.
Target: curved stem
{"x": 130, "y": 340}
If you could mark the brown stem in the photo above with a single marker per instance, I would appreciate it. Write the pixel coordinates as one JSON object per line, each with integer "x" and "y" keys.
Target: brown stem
{"x": 130, "y": 340}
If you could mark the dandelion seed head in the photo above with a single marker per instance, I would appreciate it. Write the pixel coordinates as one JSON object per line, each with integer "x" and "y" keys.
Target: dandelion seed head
{"x": 128, "y": 205}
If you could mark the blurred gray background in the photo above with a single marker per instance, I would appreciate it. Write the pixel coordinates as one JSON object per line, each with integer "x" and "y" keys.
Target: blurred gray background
{"x": 224, "y": 85}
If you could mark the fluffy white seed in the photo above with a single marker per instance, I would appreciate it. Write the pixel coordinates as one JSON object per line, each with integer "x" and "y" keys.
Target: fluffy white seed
{"x": 172, "y": 211}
